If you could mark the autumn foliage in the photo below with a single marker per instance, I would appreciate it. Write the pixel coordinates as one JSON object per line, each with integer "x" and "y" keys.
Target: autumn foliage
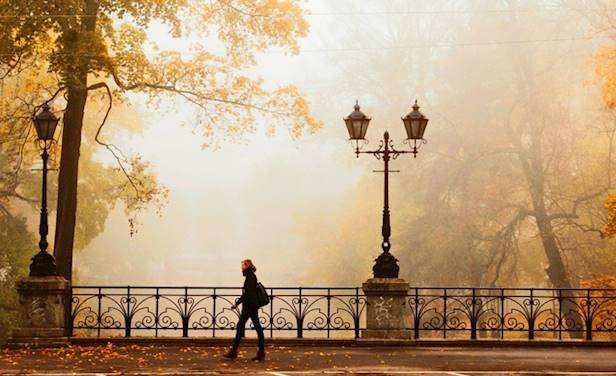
{"x": 99, "y": 48}
{"x": 605, "y": 282}
{"x": 610, "y": 228}
{"x": 604, "y": 298}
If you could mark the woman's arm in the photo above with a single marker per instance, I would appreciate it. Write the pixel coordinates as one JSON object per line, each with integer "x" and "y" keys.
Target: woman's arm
{"x": 242, "y": 298}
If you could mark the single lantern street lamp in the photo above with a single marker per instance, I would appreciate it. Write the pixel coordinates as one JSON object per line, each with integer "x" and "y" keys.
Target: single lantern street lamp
{"x": 45, "y": 122}
{"x": 386, "y": 265}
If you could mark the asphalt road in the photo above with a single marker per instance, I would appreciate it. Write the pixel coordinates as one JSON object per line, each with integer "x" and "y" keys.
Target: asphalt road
{"x": 304, "y": 360}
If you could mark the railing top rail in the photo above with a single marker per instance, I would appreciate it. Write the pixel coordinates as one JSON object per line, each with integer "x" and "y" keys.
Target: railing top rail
{"x": 349, "y": 288}
{"x": 208, "y": 287}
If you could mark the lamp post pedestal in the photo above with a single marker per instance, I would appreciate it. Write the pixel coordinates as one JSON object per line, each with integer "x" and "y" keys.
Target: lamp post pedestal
{"x": 387, "y": 310}
{"x": 42, "y": 314}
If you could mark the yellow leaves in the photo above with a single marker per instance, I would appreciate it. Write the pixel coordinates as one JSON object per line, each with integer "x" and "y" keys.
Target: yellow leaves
{"x": 605, "y": 282}
{"x": 610, "y": 204}
{"x": 607, "y": 305}
{"x": 121, "y": 49}
{"x": 605, "y": 68}
{"x": 117, "y": 47}
{"x": 288, "y": 101}
{"x": 248, "y": 26}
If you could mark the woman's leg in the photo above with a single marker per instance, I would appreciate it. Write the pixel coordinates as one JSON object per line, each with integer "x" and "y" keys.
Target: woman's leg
{"x": 257, "y": 324}
{"x": 241, "y": 326}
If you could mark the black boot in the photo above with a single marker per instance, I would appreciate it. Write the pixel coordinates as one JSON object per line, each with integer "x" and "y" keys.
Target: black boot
{"x": 260, "y": 356}
{"x": 232, "y": 354}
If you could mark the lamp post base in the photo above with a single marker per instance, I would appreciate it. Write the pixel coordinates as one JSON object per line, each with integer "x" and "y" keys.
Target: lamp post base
{"x": 386, "y": 266}
{"x": 387, "y": 312}
{"x": 43, "y": 265}
{"x": 42, "y": 312}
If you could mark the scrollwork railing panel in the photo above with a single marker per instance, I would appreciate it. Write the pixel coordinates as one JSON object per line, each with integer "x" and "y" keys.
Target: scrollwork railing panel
{"x": 331, "y": 312}
{"x": 199, "y": 311}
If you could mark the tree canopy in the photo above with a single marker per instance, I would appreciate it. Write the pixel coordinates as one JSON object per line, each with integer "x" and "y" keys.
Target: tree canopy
{"x": 83, "y": 47}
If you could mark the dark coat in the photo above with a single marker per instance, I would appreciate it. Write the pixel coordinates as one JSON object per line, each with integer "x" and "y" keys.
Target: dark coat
{"x": 249, "y": 299}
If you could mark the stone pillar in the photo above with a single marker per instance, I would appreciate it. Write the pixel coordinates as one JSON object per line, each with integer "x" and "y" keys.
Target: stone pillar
{"x": 387, "y": 311}
{"x": 42, "y": 312}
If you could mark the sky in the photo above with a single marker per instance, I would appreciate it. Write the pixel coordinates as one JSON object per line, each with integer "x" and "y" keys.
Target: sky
{"x": 232, "y": 201}
{"x": 252, "y": 199}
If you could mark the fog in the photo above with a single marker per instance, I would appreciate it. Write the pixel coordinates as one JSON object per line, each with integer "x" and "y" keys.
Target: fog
{"x": 308, "y": 212}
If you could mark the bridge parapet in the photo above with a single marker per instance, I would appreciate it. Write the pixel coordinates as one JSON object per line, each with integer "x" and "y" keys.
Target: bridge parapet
{"x": 339, "y": 312}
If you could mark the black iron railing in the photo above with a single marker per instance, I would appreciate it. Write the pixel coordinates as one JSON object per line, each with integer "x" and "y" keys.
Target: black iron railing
{"x": 203, "y": 311}
{"x": 506, "y": 313}
{"x": 469, "y": 313}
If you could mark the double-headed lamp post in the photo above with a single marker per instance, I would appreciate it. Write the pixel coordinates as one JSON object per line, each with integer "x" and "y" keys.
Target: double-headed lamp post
{"x": 43, "y": 264}
{"x": 415, "y": 125}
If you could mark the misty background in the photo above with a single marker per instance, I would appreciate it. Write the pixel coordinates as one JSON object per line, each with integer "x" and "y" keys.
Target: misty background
{"x": 307, "y": 212}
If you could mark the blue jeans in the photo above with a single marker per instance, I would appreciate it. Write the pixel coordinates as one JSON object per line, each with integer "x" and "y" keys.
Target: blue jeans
{"x": 241, "y": 327}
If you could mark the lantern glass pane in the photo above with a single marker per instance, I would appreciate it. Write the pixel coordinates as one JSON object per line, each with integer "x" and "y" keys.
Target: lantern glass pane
{"x": 39, "y": 128}
{"x": 364, "y": 128}
{"x": 415, "y": 126}
{"x": 357, "y": 128}
{"x": 45, "y": 127}
{"x": 42, "y": 128}
{"x": 46, "y": 130}
{"x": 51, "y": 129}
{"x": 407, "y": 127}
{"x": 423, "y": 123}
{"x": 349, "y": 125}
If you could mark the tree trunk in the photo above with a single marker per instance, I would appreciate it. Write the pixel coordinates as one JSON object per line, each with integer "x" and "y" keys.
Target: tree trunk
{"x": 76, "y": 78}
{"x": 531, "y": 161}
{"x": 557, "y": 273}
{"x": 569, "y": 315}
{"x": 556, "y": 270}
{"x": 67, "y": 180}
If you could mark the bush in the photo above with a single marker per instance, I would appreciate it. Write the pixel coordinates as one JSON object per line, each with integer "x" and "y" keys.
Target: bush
{"x": 17, "y": 245}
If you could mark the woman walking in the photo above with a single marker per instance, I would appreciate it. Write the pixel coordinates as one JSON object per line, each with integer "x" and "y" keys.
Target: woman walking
{"x": 250, "y": 310}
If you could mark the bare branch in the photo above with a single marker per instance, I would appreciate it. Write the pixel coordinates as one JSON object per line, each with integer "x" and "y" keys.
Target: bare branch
{"x": 111, "y": 147}
{"x": 194, "y": 97}
{"x": 576, "y": 203}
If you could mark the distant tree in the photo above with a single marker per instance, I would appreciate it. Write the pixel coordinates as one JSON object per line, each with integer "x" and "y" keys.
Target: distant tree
{"x": 518, "y": 174}
{"x": 89, "y": 46}
{"x": 606, "y": 71}
{"x": 509, "y": 189}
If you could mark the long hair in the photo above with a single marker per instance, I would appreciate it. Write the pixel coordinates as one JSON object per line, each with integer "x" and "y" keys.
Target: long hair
{"x": 251, "y": 266}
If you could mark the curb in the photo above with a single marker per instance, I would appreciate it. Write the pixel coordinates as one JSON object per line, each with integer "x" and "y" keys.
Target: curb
{"x": 179, "y": 341}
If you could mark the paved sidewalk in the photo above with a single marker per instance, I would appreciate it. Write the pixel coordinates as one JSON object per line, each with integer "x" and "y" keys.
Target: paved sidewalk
{"x": 308, "y": 360}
